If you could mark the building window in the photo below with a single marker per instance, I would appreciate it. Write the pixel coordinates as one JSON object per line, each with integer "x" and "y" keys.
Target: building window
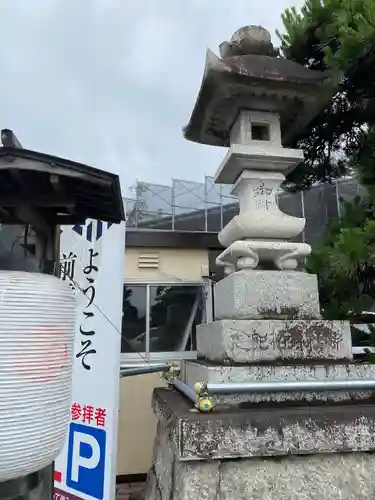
{"x": 134, "y": 324}
{"x": 161, "y": 319}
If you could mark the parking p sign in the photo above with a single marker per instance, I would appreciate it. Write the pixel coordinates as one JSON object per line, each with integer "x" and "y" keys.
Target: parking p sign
{"x": 86, "y": 460}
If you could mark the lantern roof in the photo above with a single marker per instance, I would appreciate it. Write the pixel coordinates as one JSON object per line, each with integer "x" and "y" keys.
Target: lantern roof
{"x": 249, "y": 75}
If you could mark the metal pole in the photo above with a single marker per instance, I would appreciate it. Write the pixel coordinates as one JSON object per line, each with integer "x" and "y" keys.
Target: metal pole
{"x": 148, "y": 319}
{"x": 185, "y": 389}
{"x": 140, "y": 370}
{"x": 338, "y": 200}
{"x": 189, "y": 324}
{"x": 205, "y": 204}
{"x": 173, "y": 203}
{"x": 303, "y": 215}
{"x": 294, "y": 386}
{"x": 221, "y": 208}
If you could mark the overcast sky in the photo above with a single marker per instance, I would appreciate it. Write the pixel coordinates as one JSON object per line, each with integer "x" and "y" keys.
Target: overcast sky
{"x": 111, "y": 83}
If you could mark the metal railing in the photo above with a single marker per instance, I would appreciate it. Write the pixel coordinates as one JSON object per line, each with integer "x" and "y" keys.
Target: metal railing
{"x": 201, "y": 394}
{"x": 184, "y": 389}
{"x": 142, "y": 370}
{"x": 286, "y": 386}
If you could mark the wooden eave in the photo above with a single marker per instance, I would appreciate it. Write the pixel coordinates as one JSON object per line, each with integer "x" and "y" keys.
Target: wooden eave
{"x": 44, "y": 190}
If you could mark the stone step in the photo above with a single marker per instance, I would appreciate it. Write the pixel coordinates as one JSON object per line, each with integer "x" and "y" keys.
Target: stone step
{"x": 254, "y": 341}
{"x": 258, "y": 432}
{"x": 204, "y": 371}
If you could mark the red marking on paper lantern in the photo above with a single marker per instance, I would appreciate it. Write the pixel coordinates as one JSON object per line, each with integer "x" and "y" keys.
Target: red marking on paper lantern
{"x": 52, "y": 354}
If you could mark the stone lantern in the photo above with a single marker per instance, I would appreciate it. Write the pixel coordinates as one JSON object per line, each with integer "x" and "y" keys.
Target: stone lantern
{"x": 254, "y": 103}
{"x": 268, "y": 333}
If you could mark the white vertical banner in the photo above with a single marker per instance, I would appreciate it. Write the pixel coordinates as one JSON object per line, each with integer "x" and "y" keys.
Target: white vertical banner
{"x": 92, "y": 258}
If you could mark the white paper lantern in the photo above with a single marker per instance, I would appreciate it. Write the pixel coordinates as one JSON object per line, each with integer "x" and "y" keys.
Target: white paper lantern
{"x": 37, "y": 325}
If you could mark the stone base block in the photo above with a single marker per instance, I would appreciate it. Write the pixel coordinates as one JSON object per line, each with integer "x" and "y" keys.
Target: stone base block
{"x": 187, "y": 435}
{"x": 267, "y": 295}
{"x": 202, "y": 371}
{"x": 334, "y": 477}
{"x": 254, "y": 341}
{"x": 315, "y": 453}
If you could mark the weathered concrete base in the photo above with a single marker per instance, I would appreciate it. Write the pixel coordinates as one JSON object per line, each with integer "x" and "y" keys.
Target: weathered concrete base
{"x": 204, "y": 371}
{"x": 333, "y": 477}
{"x": 267, "y": 295}
{"x": 252, "y": 341}
{"x": 313, "y": 453}
{"x": 260, "y": 432}
{"x": 198, "y": 481}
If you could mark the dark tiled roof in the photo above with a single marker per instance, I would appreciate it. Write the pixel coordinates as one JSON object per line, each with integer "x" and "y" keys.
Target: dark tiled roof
{"x": 55, "y": 184}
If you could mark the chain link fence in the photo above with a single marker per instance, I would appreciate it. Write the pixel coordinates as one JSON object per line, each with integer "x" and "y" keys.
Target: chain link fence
{"x": 192, "y": 206}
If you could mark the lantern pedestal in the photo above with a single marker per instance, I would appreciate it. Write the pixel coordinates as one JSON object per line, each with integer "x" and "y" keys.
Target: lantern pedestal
{"x": 256, "y": 294}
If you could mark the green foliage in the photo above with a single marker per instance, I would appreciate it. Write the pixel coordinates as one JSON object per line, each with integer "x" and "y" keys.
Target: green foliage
{"x": 329, "y": 33}
{"x": 339, "y": 36}
{"x": 361, "y": 339}
{"x": 363, "y": 161}
{"x": 345, "y": 264}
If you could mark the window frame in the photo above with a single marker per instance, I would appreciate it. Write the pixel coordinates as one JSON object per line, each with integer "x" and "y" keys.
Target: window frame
{"x": 147, "y": 357}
